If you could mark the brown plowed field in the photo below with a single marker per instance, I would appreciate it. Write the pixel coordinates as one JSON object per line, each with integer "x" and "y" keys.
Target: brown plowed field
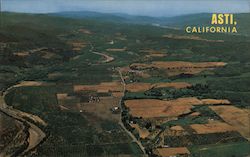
{"x": 138, "y": 87}
{"x": 215, "y": 101}
{"x": 143, "y": 133}
{"x": 191, "y": 37}
{"x": 179, "y": 67}
{"x": 212, "y": 128}
{"x": 116, "y": 49}
{"x": 153, "y": 108}
{"x": 167, "y": 152}
{"x": 238, "y": 118}
{"x": 85, "y": 31}
{"x": 105, "y": 86}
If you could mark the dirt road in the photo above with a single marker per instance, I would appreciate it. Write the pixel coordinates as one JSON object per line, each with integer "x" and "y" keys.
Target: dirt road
{"x": 107, "y": 58}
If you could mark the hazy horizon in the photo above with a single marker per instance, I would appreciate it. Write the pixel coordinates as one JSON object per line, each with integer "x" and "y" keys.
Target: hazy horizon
{"x": 136, "y": 7}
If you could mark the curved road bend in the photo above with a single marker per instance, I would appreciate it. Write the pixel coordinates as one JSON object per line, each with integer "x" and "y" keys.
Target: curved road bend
{"x": 107, "y": 57}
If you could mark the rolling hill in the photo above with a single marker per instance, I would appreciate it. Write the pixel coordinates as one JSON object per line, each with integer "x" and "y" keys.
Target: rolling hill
{"x": 201, "y": 19}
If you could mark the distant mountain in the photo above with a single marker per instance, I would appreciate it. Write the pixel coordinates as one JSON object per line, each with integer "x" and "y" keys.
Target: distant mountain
{"x": 202, "y": 19}
{"x": 111, "y": 17}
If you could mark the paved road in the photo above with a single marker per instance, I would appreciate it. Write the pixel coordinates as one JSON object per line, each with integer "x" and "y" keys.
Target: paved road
{"x": 121, "y": 123}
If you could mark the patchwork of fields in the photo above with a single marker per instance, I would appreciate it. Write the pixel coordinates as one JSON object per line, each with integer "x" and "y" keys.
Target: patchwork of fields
{"x": 174, "y": 125}
{"x": 127, "y": 91}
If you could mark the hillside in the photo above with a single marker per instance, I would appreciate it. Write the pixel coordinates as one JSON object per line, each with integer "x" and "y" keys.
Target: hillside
{"x": 202, "y": 19}
{"x": 110, "y": 17}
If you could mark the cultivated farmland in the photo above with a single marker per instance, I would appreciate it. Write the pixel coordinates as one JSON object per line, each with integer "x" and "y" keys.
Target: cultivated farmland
{"x": 92, "y": 87}
{"x": 236, "y": 117}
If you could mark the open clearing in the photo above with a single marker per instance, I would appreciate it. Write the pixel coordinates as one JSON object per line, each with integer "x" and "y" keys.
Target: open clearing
{"x": 154, "y": 53}
{"x": 236, "y": 117}
{"x": 66, "y": 101}
{"x": 138, "y": 87}
{"x": 85, "y": 31}
{"x": 102, "y": 108}
{"x": 118, "y": 94}
{"x": 22, "y": 54}
{"x": 215, "y": 101}
{"x": 104, "y": 87}
{"x": 211, "y": 128}
{"x": 64, "y": 96}
{"x": 176, "y": 85}
{"x": 176, "y": 130}
{"x": 168, "y": 152}
{"x": 191, "y": 37}
{"x": 77, "y": 45}
{"x": 179, "y": 67}
{"x": 143, "y": 133}
{"x": 30, "y": 83}
{"x": 116, "y": 49}
{"x": 152, "y": 108}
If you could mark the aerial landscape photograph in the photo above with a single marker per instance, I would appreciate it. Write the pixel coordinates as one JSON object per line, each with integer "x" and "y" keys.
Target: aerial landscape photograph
{"x": 125, "y": 78}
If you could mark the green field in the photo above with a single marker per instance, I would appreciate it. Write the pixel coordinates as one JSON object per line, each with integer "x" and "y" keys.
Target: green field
{"x": 222, "y": 150}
